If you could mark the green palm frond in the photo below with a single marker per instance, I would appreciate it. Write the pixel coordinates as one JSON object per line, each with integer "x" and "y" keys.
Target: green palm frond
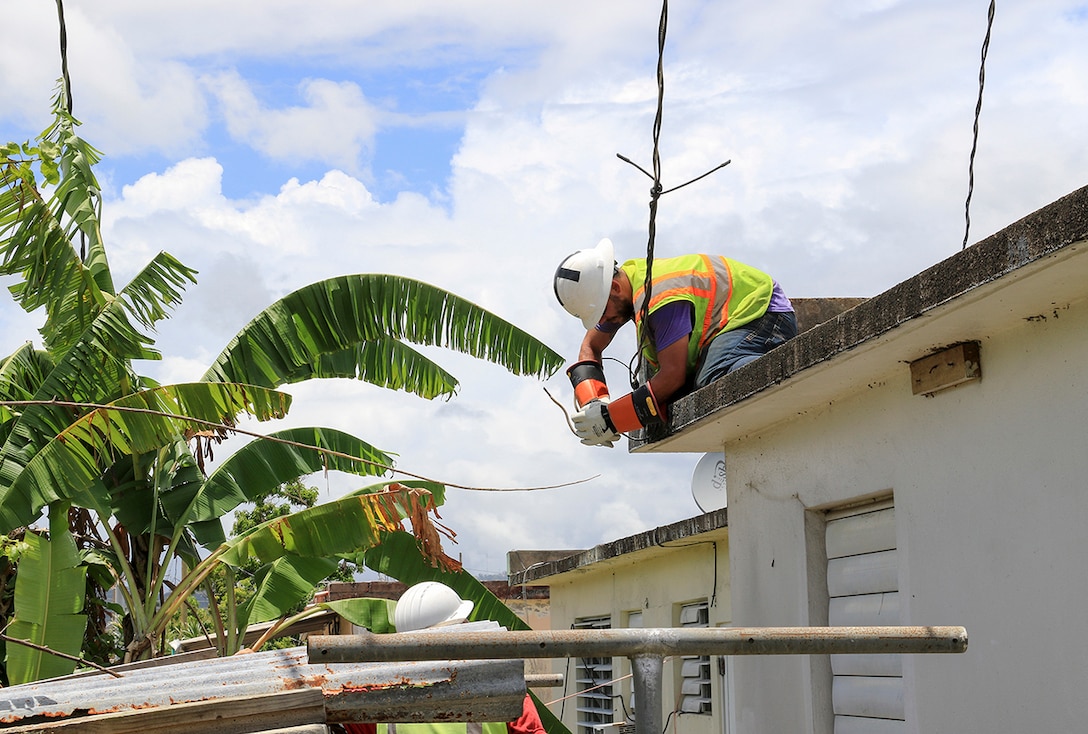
{"x": 34, "y": 246}
{"x": 54, "y": 244}
{"x": 156, "y": 289}
{"x": 23, "y": 372}
{"x": 97, "y": 369}
{"x": 399, "y": 556}
{"x": 281, "y": 585}
{"x": 78, "y": 192}
{"x": 264, "y": 464}
{"x": 70, "y": 464}
{"x": 386, "y": 363}
{"x": 335, "y": 316}
{"x": 21, "y": 375}
{"x": 48, "y": 600}
{"x": 375, "y": 615}
{"x": 344, "y": 527}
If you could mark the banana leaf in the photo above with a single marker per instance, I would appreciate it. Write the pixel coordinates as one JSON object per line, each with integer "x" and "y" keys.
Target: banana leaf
{"x": 21, "y": 374}
{"x": 345, "y": 526}
{"x": 262, "y": 465}
{"x": 375, "y": 615}
{"x": 69, "y": 465}
{"x": 347, "y": 326}
{"x": 49, "y": 593}
{"x": 96, "y": 369}
{"x": 38, "y": 235}
{"x": 281, "y": 585}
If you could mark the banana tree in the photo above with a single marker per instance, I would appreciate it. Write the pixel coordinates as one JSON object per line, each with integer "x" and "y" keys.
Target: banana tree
{"x": 79, "y": 425}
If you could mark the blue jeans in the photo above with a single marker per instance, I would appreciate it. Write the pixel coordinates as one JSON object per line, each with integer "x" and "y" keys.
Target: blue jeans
{"x": 740, "y": 346}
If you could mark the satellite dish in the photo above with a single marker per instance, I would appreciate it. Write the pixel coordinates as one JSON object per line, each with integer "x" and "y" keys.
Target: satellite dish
{"x": 708, "y": 482}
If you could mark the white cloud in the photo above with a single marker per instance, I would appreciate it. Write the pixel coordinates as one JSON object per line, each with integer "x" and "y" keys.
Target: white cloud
{"x": 848, "y": 126}
{"x": 335, "y": 127}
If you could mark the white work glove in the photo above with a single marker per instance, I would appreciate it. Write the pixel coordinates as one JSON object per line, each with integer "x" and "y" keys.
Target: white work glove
{"x": 592, "y": 425}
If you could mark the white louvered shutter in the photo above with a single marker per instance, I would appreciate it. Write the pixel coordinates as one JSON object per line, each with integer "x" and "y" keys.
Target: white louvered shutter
{"x": 863, "y": 583}
{"x": 695, "y": 669}
{"x": 594, "y": 677}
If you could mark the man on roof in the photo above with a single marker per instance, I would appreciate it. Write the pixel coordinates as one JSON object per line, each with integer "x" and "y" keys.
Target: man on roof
{"x": 708, "y": 315}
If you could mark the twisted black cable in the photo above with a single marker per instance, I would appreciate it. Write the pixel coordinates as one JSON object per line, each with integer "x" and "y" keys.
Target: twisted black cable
{"x": 64, "y": 57}
{"x": 978, "y": 113}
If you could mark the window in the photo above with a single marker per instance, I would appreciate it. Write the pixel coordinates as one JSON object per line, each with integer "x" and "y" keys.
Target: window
{"x": 594, "y": 680}
{"x": 863, "y": 586}
{"x": 695, "y": 669}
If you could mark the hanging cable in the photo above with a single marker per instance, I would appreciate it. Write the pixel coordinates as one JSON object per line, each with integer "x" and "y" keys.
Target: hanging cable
{"x": 978, "y": 113}
{"x": 656, "y": 192}
{"x": 64, "y": 57}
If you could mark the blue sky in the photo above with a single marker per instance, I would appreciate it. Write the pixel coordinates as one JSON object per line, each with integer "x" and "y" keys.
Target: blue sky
{"x": 473, "y": 144}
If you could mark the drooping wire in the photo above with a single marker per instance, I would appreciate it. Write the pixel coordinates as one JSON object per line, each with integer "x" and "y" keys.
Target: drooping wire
{"x": 978, "y": 113}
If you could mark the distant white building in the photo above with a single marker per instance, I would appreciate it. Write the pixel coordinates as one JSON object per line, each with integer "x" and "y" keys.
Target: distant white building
{"x": 921, "y": 459}
{"x": 676, "y": 575}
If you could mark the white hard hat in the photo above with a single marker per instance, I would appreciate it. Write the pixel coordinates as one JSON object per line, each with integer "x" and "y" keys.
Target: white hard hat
{"x": 583, "y": 281}
{"x": 430, "y": 604}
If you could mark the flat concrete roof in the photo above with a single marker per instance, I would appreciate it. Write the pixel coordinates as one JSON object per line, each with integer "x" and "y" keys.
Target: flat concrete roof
{"x": 1029, "y": 270}
{"x": 616, "y": 549}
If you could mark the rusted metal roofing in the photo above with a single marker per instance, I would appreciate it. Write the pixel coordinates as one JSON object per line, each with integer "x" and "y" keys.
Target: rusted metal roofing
{"x": 491, "y": 690}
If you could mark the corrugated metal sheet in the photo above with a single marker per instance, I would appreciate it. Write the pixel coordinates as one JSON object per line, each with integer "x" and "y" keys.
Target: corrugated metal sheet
{"x": 490, "y": 690}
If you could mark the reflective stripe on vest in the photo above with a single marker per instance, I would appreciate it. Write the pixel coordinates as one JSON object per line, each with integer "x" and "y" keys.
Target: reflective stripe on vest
{"x": 445, "y": 727}
{"x": 725, "y": 294}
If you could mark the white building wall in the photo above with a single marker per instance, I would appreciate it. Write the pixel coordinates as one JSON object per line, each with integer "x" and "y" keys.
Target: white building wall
{"x": 990, "y": 483}
{"x": 656, "y": 586}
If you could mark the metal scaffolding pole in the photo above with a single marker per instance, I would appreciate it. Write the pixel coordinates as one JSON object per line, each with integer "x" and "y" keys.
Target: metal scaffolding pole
{"x": 646, "y": 648}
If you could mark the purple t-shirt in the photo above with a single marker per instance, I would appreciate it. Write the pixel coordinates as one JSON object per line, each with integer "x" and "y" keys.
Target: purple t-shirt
{"x": 779, "y": 302}
{"x": 671, "y": 323}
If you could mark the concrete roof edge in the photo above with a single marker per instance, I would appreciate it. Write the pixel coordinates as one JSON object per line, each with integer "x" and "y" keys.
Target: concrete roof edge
{"x": 679, "y": 530}
{"x": 1041, "y": 234}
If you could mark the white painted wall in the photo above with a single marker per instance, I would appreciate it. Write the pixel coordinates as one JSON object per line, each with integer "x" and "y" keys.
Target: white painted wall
{"x": 656, "y": 582}
{"x": 991, "y": 493}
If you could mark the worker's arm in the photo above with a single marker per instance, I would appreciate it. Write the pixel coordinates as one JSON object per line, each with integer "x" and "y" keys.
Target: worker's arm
{"x": 673, "y": 370}
{"x": 646, "y": 404}
{"x": 587, "y": 374}
{"x": 594, "y": 344}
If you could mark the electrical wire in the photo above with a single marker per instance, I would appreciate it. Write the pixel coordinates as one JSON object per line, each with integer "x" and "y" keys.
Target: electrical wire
{"x": 714, "y": 543}
{"x": 978, "y": 113}
{"x": 656, "y": 192}
{"x": 64, "y": 57}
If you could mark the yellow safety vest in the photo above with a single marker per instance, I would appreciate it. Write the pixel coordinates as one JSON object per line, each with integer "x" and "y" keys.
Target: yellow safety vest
{"x": 445, "y": 727}
{"x": 724, "y": 293}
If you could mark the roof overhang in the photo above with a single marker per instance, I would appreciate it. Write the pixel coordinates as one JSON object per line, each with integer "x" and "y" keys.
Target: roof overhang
{"x": 1030, "y": 270}
{"x": 641, "y": 547}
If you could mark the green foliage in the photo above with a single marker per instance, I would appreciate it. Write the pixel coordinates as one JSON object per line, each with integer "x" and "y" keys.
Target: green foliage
{"x": 375, "y": 615}
{"x": 80, "y": 426}
{"x": 49, "y": 596}
{"x": 284, "y": 499}
{"x": 352, "y": 326}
